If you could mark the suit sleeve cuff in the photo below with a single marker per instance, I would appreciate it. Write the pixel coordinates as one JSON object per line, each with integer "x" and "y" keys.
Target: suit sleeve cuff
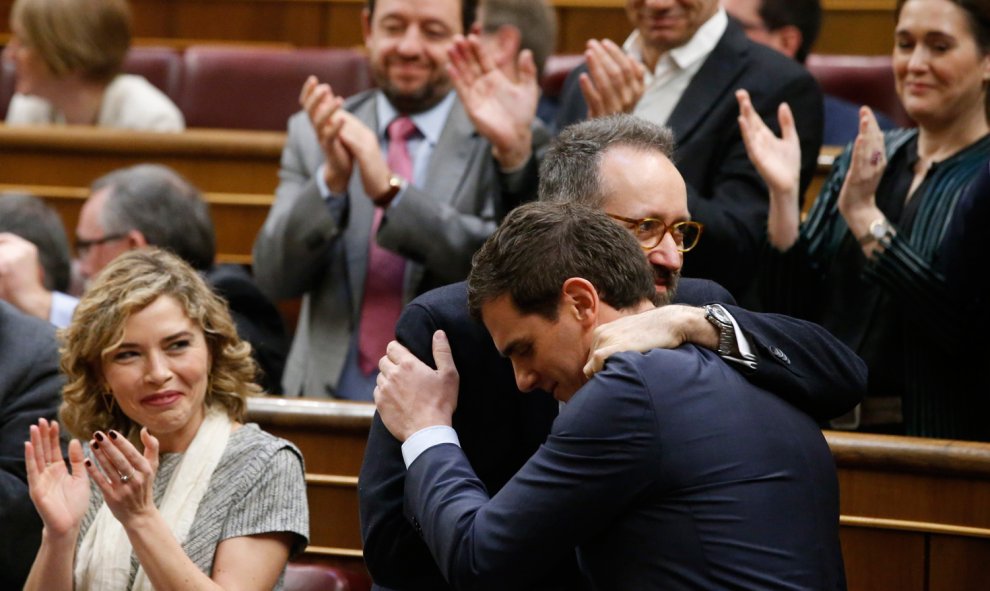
{"x": 424, "y": 439}
{"x": 746, "y": 356}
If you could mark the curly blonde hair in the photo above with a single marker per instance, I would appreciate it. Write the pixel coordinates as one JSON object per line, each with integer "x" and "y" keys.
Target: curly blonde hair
{"x": 128, "y": 285}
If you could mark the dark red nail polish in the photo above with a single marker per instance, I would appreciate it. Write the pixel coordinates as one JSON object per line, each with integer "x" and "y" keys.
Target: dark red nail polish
{"x": 96, "y": 445}
{"x": 89, "y": 464}
{"x": 99, "y": 436}
{"x": 113, "y": 434}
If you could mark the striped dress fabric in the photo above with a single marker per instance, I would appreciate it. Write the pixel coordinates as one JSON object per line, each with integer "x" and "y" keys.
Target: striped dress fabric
{"x": 258, "y": 487}
{"x": 905, "y": 280}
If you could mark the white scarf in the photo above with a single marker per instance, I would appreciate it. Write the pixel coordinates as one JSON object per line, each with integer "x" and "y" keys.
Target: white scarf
{"x": 103, "y": 561}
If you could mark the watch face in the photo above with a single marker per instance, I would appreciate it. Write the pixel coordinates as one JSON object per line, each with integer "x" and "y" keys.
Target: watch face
{"x": 878, "y": 229}
{"x": 719, "y": 314}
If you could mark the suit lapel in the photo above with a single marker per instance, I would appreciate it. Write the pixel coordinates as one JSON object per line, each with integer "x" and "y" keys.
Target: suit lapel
{"x": 445, "y": 174}
{"x": 450, "y": 159}
{"x": 715, "y": 78}
{"x": 361, "y": 212}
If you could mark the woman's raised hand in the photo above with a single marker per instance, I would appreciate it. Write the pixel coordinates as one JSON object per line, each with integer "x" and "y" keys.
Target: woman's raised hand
{"x": 61, "y": 496}
{"x": 866, "y": 166}
{"x": 125, "y": 476}
{"x": 778, "y": 160}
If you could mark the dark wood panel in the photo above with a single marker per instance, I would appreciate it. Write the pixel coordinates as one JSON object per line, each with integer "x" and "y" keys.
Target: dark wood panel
{"x": 959, "y": 564}
{"x": 879, "y": 560}
{"x": 849, "y": 26}
{"x": 237, "y": 170}
{"x": 857, "y": 32}
{"x": 333, "y": 516}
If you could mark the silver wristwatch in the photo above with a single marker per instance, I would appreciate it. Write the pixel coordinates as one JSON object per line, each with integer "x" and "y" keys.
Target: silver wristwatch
{"x": 720, "y": 319}
{"x": 880, "y": 231}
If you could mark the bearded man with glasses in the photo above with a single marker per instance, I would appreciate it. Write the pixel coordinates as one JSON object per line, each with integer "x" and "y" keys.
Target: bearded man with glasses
{"x": 620, "y": 165}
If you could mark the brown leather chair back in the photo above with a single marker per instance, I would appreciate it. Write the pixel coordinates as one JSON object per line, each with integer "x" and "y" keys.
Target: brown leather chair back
{"x": 162, "y": 66}
{"x": 258, "y": 88}
{"x": 555, "y": 72}
{"x": 313, "y": 577}
{"x": 863, "y": 80}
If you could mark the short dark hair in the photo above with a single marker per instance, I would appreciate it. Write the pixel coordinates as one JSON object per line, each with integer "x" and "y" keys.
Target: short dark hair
{"x": 806, "y": 15}
{"x": 535, "y": 20}
{"x": 540, "y": 245}
{"x": 30, "y": 218}
{"x": 571, "y": 168}
{"x": 166, "y": 208}
{"x": 469, "y": 11}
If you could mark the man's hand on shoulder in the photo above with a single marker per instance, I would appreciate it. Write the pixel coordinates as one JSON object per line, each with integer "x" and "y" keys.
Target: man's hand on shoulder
{"x": 666, "y": 327}
{"x": 325, "y": 114}
{"x": 411, "y": 396}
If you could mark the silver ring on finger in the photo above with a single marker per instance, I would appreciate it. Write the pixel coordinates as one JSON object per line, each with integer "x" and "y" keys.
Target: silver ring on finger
{"x": 125, "y": 478}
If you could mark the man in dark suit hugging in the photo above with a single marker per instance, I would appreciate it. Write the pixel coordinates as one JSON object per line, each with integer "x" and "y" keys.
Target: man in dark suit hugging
{"x": 622, "y": 166}
{"x": 667, "y": 469}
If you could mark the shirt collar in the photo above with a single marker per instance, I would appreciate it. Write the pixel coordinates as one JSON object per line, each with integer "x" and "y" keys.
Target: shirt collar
{"x": 429, "y": 123}
{"x": 696, "y": 49}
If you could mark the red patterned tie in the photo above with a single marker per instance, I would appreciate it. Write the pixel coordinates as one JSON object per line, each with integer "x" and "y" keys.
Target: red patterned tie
{"x": 382, "y": 302}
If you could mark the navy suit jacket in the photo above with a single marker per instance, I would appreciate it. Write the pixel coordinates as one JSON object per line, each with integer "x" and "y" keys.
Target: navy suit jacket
{"x": 30, "y": 388}
{"x": 667, "y": 469}
{"x": 724, "y": 190}
{"x": 500, "y": 427}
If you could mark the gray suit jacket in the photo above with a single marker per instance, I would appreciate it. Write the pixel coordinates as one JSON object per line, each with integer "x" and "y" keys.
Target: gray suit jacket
{"x": 30, "y": 388}
{"x": 319, "y": 251}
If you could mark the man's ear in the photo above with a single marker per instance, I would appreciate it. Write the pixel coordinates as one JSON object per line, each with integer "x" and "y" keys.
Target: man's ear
{"x": 365, "y": 25}
{"x": 789, "y": 40}
{"x": 136, "y": 239}
{"x": 508, "y": 42}
{"x": 580, "y": 299}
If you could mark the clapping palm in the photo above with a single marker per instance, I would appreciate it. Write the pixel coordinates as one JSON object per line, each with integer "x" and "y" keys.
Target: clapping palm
{"x": 502, "y": 109}
{"x": 60, "y": 496}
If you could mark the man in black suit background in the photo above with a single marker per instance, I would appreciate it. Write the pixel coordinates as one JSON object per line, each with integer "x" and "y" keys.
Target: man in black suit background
{"x": 30, "y": 389}
{"x": 693, "y": 58}
{"x": 621, "y": 165}
{"x": 662, "y": 468}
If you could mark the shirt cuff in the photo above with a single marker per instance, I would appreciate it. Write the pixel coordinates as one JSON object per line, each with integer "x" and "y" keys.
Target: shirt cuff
{"x": 63, "y": 305}
{"x": 746, "y": 355}
{"x": 424, "y": 439}
{"x": 321, "y": 185}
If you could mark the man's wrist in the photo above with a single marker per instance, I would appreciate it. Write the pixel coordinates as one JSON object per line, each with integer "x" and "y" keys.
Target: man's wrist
{"x": 37, "y": 303}
{"x": 393, "y": 185}
{"x": 513, "y": 156}
{"x": 424, "y": 439}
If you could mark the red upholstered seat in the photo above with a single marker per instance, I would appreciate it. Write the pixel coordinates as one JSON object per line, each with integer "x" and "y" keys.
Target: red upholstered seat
{"x": 555, "y": 72}
{"x": 162, "y": 66}
{"x": 258, "y": 88}
{"x": 863, "y": 80}
{"x": 321, "y": 577}
{"x": 313, "y": 577}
